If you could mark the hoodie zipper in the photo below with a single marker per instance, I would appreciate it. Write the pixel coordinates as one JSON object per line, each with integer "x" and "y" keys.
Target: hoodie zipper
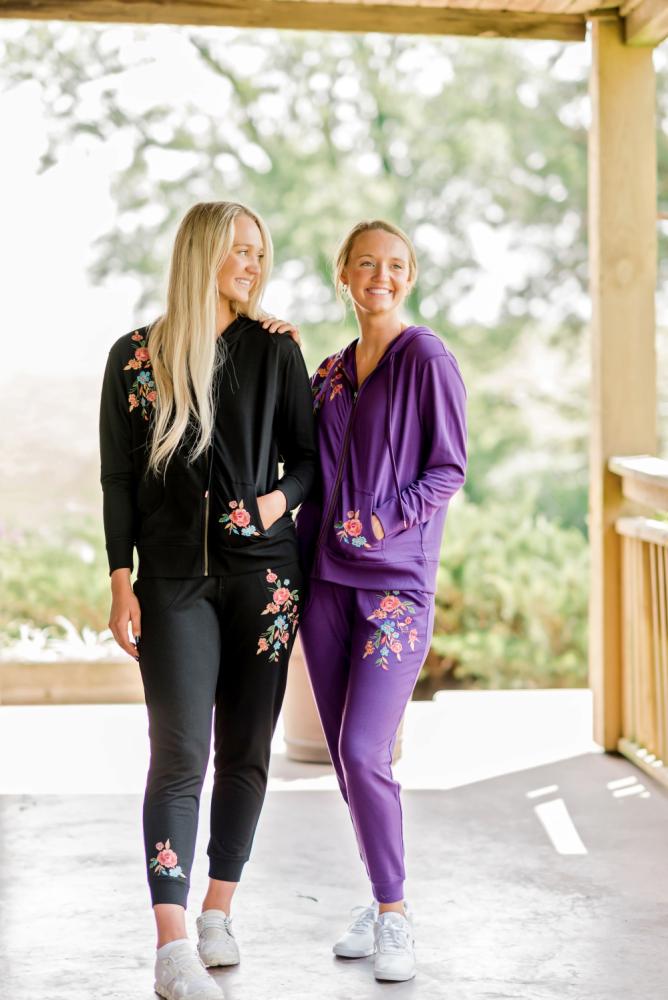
{"x": 344, "y": 452}
{"x": 205, "y": 539}
{"x": 339, "y": 471}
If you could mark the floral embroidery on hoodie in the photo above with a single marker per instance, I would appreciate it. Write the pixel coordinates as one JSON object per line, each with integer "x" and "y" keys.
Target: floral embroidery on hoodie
{"x": 143, "y": 392}
{"x": 396, "y": 627}
{"x": 335, "y": 384}
{"x": 350, "y": 531}
{"x": 166, "y": 861}
{"x": 284, "y": 606}
{"x": 238, "y": 522}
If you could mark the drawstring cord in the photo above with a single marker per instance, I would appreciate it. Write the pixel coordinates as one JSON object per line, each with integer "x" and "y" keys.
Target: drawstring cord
{"x": 388, "y": 435}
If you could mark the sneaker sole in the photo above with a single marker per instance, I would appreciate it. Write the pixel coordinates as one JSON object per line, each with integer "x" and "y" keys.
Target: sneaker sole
{"x": 221, "y": 964}
{"x": 396, "y": 978}
{"x": 342, "y": 952}
{"x": 196, "y": 996}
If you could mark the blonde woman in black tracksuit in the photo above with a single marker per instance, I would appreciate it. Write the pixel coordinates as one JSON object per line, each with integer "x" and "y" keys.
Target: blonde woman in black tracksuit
{"x": 196, "y": 412}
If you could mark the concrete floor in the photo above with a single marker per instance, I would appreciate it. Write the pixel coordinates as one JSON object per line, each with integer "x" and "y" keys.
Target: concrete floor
{"x": 546, "y": 883}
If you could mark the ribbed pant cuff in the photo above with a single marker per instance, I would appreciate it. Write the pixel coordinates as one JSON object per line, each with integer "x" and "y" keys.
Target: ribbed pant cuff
{"x": 226, "y": 871}
{"x": 388, "y": 892}
{"x": 168, "y": 890}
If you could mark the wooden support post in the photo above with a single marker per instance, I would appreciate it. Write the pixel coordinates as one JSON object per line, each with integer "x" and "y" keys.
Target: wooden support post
{"x": 623, "y": 250}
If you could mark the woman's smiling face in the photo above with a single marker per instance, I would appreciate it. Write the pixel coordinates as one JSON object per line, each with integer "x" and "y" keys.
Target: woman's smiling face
{"x": 378, "y": 272}
{"x": 241, "y": 269}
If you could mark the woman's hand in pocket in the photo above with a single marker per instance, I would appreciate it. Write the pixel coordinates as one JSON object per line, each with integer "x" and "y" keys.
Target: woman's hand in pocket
{"x": 377, "y": 527}
{"x": 271, "y": 506}
{"x": 125, "y": 610}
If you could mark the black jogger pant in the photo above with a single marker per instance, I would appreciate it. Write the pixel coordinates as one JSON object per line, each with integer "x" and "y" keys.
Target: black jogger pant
{"x": 211, "y": 642}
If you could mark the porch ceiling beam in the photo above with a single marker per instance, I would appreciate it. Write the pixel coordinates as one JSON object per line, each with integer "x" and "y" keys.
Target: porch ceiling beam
{"x": 645, "y": 22}
{"x": 392, "y": 16}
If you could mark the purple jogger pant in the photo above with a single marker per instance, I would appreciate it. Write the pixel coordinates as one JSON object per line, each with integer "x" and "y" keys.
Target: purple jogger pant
{"x": 364, "y": 650}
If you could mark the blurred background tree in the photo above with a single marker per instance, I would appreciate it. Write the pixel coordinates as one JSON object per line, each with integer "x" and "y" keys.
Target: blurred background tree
{"x": 478, "y": 149}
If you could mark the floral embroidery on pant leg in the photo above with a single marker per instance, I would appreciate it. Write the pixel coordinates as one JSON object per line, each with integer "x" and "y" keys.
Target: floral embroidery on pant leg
{"x": 238, "y": 522}
{"x": 396, "y": 627}
{"x": 351, "y": 531}
{"x": 284, "y": 606}
{"x": 166, "y": 861}
{"x": 143, "y": 393}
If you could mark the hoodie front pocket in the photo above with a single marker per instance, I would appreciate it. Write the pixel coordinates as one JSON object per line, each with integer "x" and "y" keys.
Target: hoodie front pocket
{"x": 353, "y": 527}
{"x": 241, "y": 517}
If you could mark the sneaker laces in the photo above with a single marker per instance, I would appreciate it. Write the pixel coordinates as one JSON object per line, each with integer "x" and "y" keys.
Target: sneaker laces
{"x": 217, "y": 923}
{"x": 393, "y": 937}
{"x": 189, "y": 964}
{"x": 366, "y": 918}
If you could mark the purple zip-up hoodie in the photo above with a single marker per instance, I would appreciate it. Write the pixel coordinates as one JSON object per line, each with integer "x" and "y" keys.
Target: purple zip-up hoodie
{"x": 397, "y": 449}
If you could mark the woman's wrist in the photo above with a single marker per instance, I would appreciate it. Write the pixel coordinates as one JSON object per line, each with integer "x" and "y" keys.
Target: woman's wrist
{"x": 121, "y": 578}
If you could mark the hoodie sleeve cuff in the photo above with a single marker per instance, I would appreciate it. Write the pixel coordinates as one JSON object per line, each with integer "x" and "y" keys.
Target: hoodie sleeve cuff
{"x": 119, "y": 553}
{"x": 292, "y": 490}
{"x": 390, "y": 516}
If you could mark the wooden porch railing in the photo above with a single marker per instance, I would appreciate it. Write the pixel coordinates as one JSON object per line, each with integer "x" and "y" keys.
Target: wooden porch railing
{"x": 644, "y": 624}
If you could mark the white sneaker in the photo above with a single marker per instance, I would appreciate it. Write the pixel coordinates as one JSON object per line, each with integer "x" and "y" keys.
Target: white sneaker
{"x": 216, "y": 944}
{"x": 358, "y": 939}
{"x": 180, "y": 975}
{"x": 395, "y": 948}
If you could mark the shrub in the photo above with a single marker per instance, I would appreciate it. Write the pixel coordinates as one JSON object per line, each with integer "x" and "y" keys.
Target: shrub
{"x": 511, "y": 603}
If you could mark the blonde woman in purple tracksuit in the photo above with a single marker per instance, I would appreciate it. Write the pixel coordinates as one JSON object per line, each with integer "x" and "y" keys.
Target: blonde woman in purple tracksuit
{"x": 391, "y": 437}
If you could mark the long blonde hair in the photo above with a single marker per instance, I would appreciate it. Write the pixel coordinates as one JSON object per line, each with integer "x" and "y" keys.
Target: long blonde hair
{"x": 343, "y": 252}
{"x": 182, "y": 342}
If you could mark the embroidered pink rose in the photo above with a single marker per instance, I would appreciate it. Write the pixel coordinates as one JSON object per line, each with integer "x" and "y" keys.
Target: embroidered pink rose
{"x": 390, "y": 603}
{"x": 351, "y": 531}
{"x": 396, "y": 647}
{"x": 141, "y": 354}
{"x": 240, "y": 517}
{"x": 133, "y": 364}
{"x": 165, "y": 863}
{"x": 133, "y": 401}
{"x": 262, "y": 646}
{"x": 281, "y": 595}
{"x": 152, "y": 396}
{"x": 271, "y": 577}
{"x": 137, "y": 336}
{"x": 167, "y": 858}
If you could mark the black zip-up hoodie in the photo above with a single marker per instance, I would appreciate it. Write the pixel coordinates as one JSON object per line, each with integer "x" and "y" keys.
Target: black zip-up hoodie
{"x": 202, "y": 517}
